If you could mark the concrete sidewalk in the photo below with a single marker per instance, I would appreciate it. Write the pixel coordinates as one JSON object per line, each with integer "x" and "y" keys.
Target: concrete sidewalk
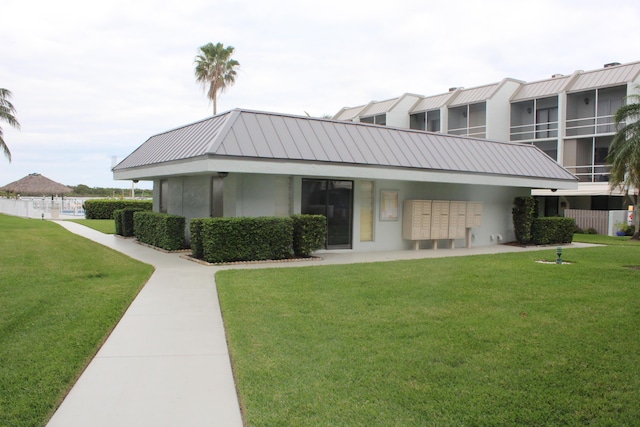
{"x": 166, "y": 363}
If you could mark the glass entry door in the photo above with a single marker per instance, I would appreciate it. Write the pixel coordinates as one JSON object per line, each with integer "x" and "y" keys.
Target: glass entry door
{"x": 333, "y": 199}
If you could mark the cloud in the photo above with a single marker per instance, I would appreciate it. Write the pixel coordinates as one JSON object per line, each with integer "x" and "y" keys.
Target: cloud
{"x": 94, "y": 80}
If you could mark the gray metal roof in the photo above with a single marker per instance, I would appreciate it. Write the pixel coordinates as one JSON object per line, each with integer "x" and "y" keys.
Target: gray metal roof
{"x": 608, "y": 76}
{"x": 432, "y": 102}
{"x": 261, "y": 136}
{"x": 475, "y": 94}
{"x": 541, "y": 89}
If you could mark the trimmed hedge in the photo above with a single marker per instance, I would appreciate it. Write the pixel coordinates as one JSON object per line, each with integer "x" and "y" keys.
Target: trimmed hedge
{"x": 523, "y": 214}
{"x": 552, "y": 230}
{"x": 162, "y": 230}
{"x": 195, "y": 229}
{"x": 309, "y": 233}
{"x": 124, "y": 221}
{"x": 242, "y": 239}
{"x": 104, "y": 208}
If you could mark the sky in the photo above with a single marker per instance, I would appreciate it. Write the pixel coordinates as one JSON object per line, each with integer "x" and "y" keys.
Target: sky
{"x": 92, "y": 81}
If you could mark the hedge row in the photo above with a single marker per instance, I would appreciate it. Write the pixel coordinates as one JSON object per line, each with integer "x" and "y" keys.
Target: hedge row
{"x": 124, "y": 221}
{"x": 162, "y": 230}
{"x": 261, "y": 238}
{"x": 552, "y": 230}
{"x": 104, "y": 208}
{"x": 539, "y": 231}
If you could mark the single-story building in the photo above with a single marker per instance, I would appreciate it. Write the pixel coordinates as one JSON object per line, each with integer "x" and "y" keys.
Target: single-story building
{"x": 361, "y": 176}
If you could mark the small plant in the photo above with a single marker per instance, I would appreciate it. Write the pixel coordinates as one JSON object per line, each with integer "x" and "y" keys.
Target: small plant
{"x": 590, "y": 230}
{"x": 625, "y": 229}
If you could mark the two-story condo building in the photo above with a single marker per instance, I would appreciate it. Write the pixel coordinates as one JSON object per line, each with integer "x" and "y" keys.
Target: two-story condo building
{"x": 569, "y": 117}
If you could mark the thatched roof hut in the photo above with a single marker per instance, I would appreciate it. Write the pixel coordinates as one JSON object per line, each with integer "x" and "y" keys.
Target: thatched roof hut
{"x": 35, "y": 184}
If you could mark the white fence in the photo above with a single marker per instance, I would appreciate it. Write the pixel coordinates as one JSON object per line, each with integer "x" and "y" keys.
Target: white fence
{"x": 43, "y": 207}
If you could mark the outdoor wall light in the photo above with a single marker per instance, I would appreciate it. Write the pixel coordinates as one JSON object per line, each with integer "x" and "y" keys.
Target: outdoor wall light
{"x": 528, "y": 110}
{"x": 586, "y": 101}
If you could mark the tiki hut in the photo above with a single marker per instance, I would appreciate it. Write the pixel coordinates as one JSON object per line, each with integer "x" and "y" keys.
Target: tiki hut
{"x": 35, "y": 184}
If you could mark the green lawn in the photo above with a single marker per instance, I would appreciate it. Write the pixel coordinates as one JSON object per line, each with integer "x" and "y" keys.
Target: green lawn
{"x": 106, "y": 226}
{"x": 605, "y": 240}
{"x": 60, "y": 296}
{"x": 480, "y": 340}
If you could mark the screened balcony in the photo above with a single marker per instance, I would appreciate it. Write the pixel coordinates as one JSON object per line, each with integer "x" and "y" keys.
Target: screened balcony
{"x": 470, "y": 120}
{"x": 586, "y": 158}
{"x": 534, "y": 119}
{"x": 591, "y": 112}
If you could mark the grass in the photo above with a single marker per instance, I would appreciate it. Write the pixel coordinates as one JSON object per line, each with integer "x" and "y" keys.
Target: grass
{"x": 60, "y": 296}
{"x": 479, "y": 340}
{"x": 602, "y": 239}
{"x": 106, "y": 226}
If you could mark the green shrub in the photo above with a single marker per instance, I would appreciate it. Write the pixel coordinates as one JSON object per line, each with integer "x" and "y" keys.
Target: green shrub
{"x": 104, "y": 208}
{"x": 243, "y": 239}
{"x": 552, "y": 230}
{"x": 195, "y": 229}
{"x": 124, "y": 221}
{"x": 523, "y": 213}
{"x": 590, "y": 230}
{"x": 162, "y": 230}
{"x": 309, "y": 233}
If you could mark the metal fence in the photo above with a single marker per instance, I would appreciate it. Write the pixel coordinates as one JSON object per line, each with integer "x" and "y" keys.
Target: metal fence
{"x": 43, "y": 207}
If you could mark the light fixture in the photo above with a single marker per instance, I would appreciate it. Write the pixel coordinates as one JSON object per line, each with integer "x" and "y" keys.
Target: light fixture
{"x": 586, "y": 101}
{"x": 464, "y": 114}
{"x": 528, "y": 110}
{"x": 223, "y": 174}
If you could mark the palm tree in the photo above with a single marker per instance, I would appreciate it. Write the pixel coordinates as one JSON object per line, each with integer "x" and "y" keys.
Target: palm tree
{"x": 7, "y": 112}
{"x": 624, "y": 154}
{"x": 215, "y": 70}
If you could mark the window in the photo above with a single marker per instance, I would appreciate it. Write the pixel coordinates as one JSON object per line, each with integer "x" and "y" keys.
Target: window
{"x": 380, "y": 119}
{"x": 418, "y": 121}
{"x": 334, "y": 200}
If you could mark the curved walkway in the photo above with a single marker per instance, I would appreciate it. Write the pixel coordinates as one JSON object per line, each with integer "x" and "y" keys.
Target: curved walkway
{"x": 167, "y": 363}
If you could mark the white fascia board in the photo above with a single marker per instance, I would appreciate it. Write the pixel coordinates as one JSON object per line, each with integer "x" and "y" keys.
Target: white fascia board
{"x": 331, "y": 170}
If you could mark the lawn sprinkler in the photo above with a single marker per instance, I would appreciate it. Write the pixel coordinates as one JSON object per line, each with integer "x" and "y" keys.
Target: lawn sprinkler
{"x": 559, "y": 253}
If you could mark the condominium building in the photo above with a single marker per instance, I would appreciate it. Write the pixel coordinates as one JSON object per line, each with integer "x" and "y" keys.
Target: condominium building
{"x": 569, "y": 117}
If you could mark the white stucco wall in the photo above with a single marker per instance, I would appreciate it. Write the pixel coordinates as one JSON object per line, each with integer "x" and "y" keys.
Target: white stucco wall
{"x": 273, "y": 195}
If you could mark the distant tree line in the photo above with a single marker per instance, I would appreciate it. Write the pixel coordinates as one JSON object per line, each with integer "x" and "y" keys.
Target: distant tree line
{"x": 83, "y": 190}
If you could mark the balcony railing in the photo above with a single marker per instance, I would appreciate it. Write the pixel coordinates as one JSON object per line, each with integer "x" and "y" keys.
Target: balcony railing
{"x": 537, "y": 131}
{"x": 591, "y": 173}
{"x": 591, "y": 125}
{"x": 474, "y": 131}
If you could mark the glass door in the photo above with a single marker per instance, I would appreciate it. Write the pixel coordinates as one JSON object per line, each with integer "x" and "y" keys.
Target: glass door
{"x": 334, "y": 200}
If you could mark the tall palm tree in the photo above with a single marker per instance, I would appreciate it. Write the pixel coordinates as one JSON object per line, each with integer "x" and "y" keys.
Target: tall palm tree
{"x": 215, "y": 70}
{"x": 7, "y": 112}
{"x": 624, "y": 153}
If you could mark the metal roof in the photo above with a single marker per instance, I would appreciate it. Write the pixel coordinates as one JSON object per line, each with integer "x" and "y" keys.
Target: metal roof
{"x": 542, "y": 88}
{"x": 475, "y": 94}
{"x": 432, "y": 102}
{"x": 608, "y": 76}
{"x": 256, "y": 135}
{"x": 378, "y": 107}
{"x": 349, "y": 113}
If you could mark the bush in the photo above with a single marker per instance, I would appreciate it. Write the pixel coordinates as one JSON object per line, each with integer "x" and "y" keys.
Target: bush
{"x": 242, "y": 239}
{"x": 552, "y": 230}
{"x": 195, "y": 229}
{"x": 523, "y": 213}
{"x": 309, "y": 233}
{"x": 124, "y": 221}
{"x": 162, "y": 230}
{"x": 590, "y": 230}
{"x": 104, "y": 208}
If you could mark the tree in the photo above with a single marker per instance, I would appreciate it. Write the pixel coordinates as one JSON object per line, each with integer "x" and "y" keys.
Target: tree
{"x": 7, "y": 112}
{"x": 215, "y": 70}
{"x": 624, "y": 154}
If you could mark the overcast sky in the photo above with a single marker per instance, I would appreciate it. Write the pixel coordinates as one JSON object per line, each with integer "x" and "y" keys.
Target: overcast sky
{"x": 93, "y": 80}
